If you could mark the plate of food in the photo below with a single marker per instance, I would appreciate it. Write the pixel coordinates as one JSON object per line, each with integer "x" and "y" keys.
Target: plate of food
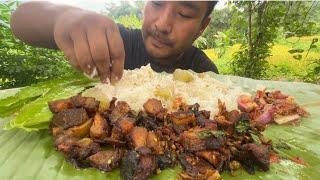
{"x": 161, "y": 126}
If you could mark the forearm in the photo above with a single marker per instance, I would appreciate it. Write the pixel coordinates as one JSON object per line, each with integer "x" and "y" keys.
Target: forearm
{"x": 33, "y": 22}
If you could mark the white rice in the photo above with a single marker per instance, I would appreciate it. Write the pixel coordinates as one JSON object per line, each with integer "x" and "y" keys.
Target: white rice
{"x": 137, "y": 86}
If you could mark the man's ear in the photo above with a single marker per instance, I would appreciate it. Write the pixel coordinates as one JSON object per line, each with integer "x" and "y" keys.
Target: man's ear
{"x": 205, "y": 22}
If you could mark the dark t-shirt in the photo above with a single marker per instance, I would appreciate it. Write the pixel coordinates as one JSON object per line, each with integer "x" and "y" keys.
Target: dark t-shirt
{"x": 137, "y": 56}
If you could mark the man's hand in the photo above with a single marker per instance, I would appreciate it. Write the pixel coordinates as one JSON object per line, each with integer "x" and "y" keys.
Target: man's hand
{"x": 91, "y": 42}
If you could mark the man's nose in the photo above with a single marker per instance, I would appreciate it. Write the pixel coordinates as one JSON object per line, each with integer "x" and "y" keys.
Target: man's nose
{"x": 164, "y": 22}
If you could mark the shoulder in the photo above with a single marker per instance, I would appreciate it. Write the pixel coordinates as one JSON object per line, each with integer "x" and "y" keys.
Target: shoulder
{"x": 201, "y": 62}
{"x": 129, "y": 33}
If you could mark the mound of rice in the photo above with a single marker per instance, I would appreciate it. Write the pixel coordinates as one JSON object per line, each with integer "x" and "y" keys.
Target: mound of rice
{"x": 138, "y": 85}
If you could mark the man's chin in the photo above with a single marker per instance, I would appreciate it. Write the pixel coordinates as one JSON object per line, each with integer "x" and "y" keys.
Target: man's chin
{"x": 157, "y": 53}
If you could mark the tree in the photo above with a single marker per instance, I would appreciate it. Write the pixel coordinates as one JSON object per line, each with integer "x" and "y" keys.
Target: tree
{"x": 263, "y": 20}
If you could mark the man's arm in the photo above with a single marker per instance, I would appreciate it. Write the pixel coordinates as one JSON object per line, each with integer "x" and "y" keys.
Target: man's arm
{"x": 33, "y": 22}
{"x": 90, "y": 41}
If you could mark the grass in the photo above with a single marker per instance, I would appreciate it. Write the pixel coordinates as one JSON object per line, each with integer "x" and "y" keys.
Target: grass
{"x": 283, "y": 66}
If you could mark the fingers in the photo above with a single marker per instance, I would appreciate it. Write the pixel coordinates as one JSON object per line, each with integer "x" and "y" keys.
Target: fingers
{"x": 65, "y": 44}
{"x": 116, "y": 52}
{"x": 82, "y": 52}
{"x": 99, "y": 52}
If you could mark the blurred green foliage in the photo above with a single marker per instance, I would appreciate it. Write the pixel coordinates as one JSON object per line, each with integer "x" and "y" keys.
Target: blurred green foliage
{"x": 22, "y": 65}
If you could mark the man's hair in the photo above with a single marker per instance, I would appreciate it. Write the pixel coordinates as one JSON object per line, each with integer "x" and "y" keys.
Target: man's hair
{"x": 211, "y": 5}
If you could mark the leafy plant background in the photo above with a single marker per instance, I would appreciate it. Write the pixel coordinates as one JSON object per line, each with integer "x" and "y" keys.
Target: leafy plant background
{"x": 283, "y": 44}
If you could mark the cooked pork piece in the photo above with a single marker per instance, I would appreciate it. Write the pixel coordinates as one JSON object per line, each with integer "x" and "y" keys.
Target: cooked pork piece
{"x": 60, "y": 105}
{"x": 151, "y": 123}
{"x": 75, "y": 150}
{"x": 106, "y": 160}
{"x": 69, "y": 118}
{"x": 120, "y": 110}
{"x": 138, "y": 137}
{"x": 196, "y": 168}
{"x": 100, "y": 128}
{"x": 88, "y": 103}
{"x": 253, "y": 154}
{"x": 181, "y": 118}
{"x": 213, "y": 157}
{"x": 120, "y": 130}
{"x": 83, "y": 148}
{"x": 154, "y": 108}
{"x": 166, "y": 160}
{"x": 198, "y": 139}
{"x": 80, "y": 131}
{"x": 125, "y": 124}
{"x": 138, "y": 165}
{"x": 153, "y": 143}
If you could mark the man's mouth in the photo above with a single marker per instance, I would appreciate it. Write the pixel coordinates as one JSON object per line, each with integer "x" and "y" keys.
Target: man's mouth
{"x": 160, "y": 42}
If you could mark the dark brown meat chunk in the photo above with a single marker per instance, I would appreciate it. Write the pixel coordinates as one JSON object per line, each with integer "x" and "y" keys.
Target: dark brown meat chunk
{"x": 89, "y": 103}
{"x": 196, "y": 168}
{"x": 76, "y": 151}
{"x": 70, "y": 117}
{"x": 253, "y": 154}
{"x": 198, "y": 139}
{"x": 166, "y": 160}
{"x": 83, "y": 148}
{"x": 100, "y": 128}
{"x": 138, "y": 165}
{"x": 60, "y": 105}
{"x": 106, "y": 160}
{"x": 149, "y": 122}
{"x": 120, "y": 110}
{"x": 138, "y": 137}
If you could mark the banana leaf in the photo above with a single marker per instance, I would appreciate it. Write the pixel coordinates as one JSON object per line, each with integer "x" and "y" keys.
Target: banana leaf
{"x": 30, "y": 155}
{"x": 29, "y": 106}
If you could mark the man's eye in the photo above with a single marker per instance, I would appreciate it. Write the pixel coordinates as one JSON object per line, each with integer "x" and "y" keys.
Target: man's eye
{"x": 184, "y": 16}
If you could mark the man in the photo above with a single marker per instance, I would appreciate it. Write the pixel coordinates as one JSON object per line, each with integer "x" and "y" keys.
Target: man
{"x": 96, "y": 45}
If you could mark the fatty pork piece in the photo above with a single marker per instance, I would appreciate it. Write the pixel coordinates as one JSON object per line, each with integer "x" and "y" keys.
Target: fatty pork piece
{"x": 121, "y": 109}
{"x": 253, "y": 154}
{"x": 138, "y": 137}
{"x": 154, "y": 108}
{"x": 100, "y": 128}
{"x": 106, "y": 160}
{"x": 69, "y": 118}
{"x": 88, "y": 103}
{"x": 76, "y": 150}
{"x": 153, "y": 143}
{"x": 213, "y": 157}
{"x": 60, "y": 105}
{"x": 196, "y": 168}
{"x": 198, "y": 139}
{"x": 139, "y": 164}
{"x": 80, "y": 131}
{"x": 182, "y": 120}
{"x": 120, "y": 130}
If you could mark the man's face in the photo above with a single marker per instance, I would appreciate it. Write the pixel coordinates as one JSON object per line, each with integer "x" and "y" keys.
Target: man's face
{"x": 169, "y": 28}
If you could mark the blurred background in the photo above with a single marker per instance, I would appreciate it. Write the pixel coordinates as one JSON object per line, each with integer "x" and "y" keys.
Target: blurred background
{"x": 273, "y": 40}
